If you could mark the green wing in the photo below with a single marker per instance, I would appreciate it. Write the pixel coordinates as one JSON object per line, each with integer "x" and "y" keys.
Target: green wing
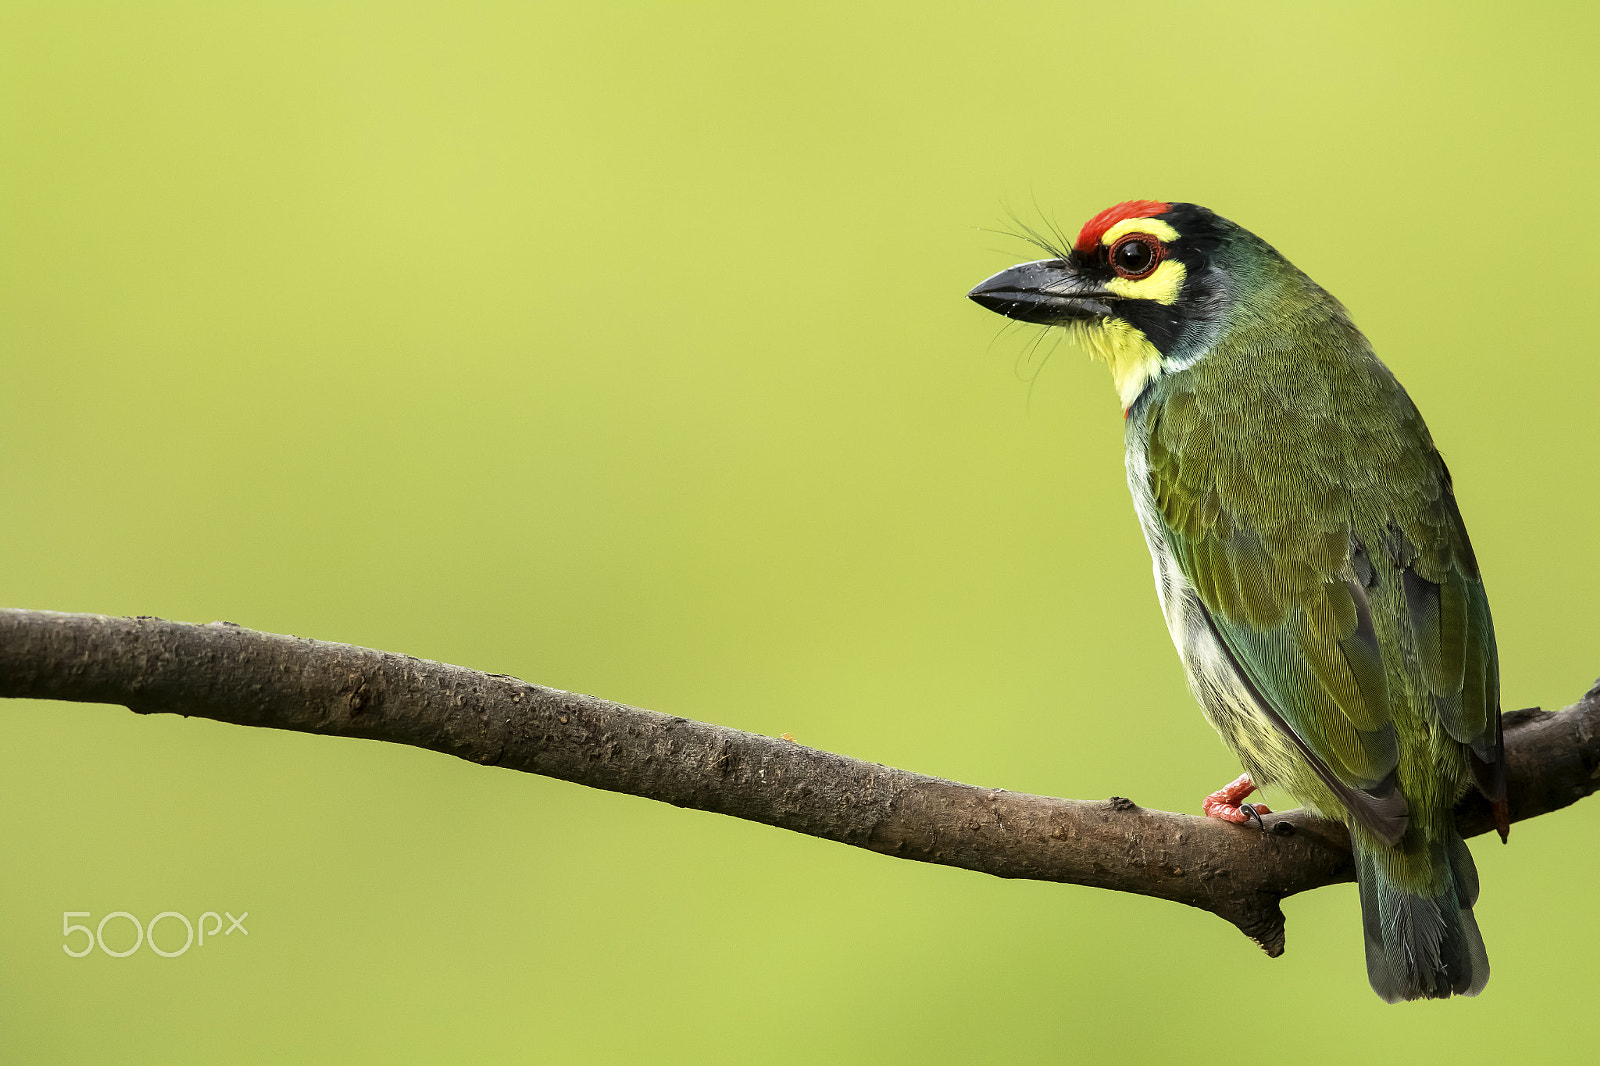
{"x": 1448, "y": 613}
{"x": 1266, "y": 521}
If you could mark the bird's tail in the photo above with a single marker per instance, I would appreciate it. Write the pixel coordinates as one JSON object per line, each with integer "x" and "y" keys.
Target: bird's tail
{"x": 1416, "y": 910}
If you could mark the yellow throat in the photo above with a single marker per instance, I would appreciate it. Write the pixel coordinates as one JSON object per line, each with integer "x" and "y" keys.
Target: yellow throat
{"x": 1133, "y": 360}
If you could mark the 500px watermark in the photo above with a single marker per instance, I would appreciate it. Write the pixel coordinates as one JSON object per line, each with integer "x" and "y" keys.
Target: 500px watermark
{"x": 145, "y": 934}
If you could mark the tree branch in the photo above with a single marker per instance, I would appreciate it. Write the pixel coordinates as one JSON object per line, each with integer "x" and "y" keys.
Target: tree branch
{"x": 223, "y": 672}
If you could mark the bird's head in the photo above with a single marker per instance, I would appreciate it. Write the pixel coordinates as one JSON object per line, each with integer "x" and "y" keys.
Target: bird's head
{"x": 1147, "y": 286}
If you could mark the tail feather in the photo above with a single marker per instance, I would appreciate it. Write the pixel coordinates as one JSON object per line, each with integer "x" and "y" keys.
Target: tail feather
{"x": 1464, "y": 871}
{"x": 1416, "y": 912}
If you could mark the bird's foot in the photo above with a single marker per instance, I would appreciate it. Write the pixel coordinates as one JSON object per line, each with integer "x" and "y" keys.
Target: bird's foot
{"x": 1224, "y": 803}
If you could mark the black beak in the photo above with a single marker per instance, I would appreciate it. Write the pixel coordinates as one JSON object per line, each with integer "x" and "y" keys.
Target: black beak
{"x": 1048, "y": 292}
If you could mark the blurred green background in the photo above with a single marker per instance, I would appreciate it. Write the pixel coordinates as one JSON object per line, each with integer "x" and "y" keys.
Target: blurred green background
{"x": 624, "y": 349}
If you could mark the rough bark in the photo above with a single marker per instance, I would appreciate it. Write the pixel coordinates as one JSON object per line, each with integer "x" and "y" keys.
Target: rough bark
{"x": 230, "y": 674}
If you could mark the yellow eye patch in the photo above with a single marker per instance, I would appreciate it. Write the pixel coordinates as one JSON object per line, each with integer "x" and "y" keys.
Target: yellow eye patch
{"x": 1153, "y": 226}
{"x": 1162, "y": 286}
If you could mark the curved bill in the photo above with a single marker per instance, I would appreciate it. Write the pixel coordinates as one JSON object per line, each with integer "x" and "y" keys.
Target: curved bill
{"x": 1047, "y": 291}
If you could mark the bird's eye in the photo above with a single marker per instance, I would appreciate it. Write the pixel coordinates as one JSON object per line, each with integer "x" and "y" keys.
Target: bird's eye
{"x": 1135, "y": 256}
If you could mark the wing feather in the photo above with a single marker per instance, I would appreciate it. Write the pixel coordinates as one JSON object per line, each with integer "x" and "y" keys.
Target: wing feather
{"x": 1289, "y": 590}
{"x": 1288, "y": 608}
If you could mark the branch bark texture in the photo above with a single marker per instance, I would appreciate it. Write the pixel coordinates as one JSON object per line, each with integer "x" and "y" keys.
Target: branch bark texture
{"x": 224, "y": 672}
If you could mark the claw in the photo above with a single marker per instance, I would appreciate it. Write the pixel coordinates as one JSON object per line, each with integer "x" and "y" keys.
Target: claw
{"x": 1225, "y": 804}
{"x": 1253, "y": 816}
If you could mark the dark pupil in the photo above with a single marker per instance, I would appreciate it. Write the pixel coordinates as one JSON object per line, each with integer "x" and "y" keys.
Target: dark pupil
{"x": 1134, "y": 256}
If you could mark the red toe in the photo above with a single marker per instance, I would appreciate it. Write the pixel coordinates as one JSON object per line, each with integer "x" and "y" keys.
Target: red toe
{"x": 1224, "y": 803}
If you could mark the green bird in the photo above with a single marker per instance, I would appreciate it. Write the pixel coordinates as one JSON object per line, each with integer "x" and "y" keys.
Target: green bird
{"x": 1310, "y": 558}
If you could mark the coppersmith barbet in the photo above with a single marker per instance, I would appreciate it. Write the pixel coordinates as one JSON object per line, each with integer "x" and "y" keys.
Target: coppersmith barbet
{"x": 1310, "y": 558}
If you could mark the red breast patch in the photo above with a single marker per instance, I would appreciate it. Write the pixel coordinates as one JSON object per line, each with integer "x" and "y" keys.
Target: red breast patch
{"x": 1096, "y": 227}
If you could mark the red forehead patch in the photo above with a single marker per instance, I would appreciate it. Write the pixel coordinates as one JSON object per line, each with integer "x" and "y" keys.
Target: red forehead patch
{"x": 1096, "y": 227}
